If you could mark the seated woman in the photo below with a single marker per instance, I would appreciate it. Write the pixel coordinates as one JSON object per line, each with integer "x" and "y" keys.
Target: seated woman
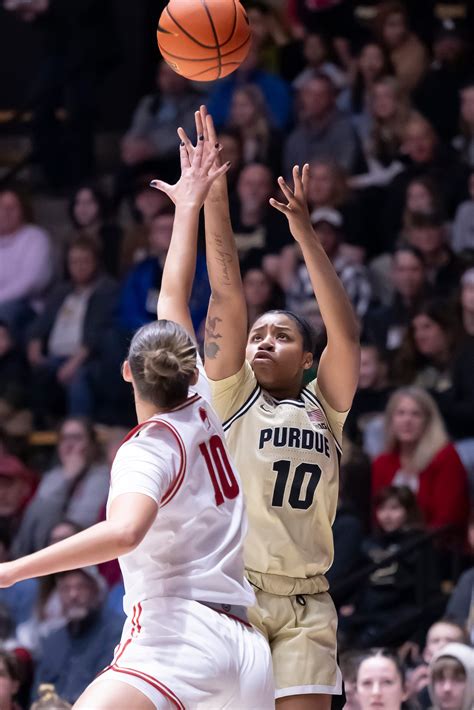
{"x": 65, "y": 338}
{"x": 89, "y": 214}
{"x": 393, "y": 586}
{"x": 249, "y": 118}
{"x": 389, "y": 111}
{"x": 371, "y": 64}
{"x": 75, "y": 489}
{"x": 419, "y": 455}
{"x": 407, "y": 53}
{"x": 381, "y": 681}
{"x": 437, "y": 354}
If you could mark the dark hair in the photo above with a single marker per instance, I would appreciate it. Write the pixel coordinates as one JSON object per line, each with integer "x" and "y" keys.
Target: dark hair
{"x": 162, "y": 359}
{"x": 85, "y": 244}
{"x": 445, "y": 663}
{"x": 304, "y": 328}
{"x": 405, "y": 497}
{"x": 390, "y": 655}
{"x": 408, "y": 249}
{"x": 11, "y": 664}
{"x": 426, "y": 220}
{"x": 384, "y": 11}
{"x": 409, "y": 360}
{"x": 322, "y": 76}
{"x": 358, "y": 88}
{"x": 99, "y": 197}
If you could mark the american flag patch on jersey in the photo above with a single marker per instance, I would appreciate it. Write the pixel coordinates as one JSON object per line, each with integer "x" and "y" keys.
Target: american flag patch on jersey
{"x": 316, "y": 416}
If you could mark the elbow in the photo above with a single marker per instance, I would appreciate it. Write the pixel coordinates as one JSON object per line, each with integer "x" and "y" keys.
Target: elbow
{"x": 128, "y": 538}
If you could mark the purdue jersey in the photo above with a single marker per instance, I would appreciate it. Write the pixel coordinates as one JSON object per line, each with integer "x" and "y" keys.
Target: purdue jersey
{"x": 287, "y": 453}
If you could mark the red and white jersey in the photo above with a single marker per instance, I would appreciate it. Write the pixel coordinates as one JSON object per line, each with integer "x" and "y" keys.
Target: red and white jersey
{"x": 193, "y": 549}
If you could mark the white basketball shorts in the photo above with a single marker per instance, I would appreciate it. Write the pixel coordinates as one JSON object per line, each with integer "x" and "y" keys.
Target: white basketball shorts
{"x": 182, "y": 654}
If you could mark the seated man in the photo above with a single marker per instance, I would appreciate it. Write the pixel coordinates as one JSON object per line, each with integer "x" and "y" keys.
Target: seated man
{"x": 142, "y": 285}
{"x": 66, "y": 337}
{"x": 149, "y": 146}
{"x": 452, "y": 678}
{"x": 72, "y": 656}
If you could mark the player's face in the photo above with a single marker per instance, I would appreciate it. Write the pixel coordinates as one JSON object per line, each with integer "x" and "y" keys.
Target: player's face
{"x": 275, "y": 352}
{"x": 408, "y": 421}
{"x": 391, "y": 515}
{"x": 379, "y": 685}
{"x": 449, "y": 691}
{"x": 439, "y": 636}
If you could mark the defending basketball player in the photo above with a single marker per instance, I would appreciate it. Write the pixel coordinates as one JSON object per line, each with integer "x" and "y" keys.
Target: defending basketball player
{"x": 175, "y": 520}
{"x": 285, "y": 440}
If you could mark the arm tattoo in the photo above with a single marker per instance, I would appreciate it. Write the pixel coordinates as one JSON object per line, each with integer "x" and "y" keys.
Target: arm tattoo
{"x": 211, "y": 348}
{"x": 223, "y": 259}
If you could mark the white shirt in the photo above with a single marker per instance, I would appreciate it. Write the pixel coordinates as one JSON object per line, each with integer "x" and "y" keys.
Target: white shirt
{"x": 193, "y": 549}
{"x": 67, "y": 333}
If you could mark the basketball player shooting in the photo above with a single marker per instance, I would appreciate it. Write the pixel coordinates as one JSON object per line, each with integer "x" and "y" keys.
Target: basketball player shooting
{"x": 285, "y": 439}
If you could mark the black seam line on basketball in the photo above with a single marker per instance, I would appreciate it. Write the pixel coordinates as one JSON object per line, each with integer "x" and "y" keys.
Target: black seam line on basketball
{"x": 165, "y": 32}
{"x": 205, "y": 59}
{"x": 216, "y": 38}
{"x": 190, "y": 36}
{"x": 234, "y": 25}
{"x": 225, "y": 64}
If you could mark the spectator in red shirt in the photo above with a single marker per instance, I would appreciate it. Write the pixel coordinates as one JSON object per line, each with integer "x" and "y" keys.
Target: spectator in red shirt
{"x": 419, "y": 455}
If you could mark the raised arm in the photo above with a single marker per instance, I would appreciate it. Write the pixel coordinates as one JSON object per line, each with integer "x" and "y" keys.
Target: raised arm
{"x": 198, "y": 170}
{"x": 338, "y": 370}
{"x": 226, "y": 324}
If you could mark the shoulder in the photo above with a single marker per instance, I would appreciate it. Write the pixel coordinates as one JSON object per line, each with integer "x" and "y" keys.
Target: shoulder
{"x": 385, "y": 462}
{"x": 446, "y": 456}
{"x": 41, "y": 235}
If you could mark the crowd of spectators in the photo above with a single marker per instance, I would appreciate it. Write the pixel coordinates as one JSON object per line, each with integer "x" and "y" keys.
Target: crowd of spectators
{"x": 379, "y": 98}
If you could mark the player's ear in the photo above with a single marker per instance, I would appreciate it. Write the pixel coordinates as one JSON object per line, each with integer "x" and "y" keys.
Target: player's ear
{"x": 126, "y": 372}
{"x": 308, "y": 361}
{"x": 194, "y": 377}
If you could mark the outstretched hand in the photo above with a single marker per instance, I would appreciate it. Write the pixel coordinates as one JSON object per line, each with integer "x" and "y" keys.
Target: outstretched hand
{"x": 200, "y": 167}
{"x": 296, "y": 211}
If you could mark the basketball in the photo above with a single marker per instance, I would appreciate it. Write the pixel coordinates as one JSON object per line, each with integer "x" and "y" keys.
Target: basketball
{"x": 203, "y": 40}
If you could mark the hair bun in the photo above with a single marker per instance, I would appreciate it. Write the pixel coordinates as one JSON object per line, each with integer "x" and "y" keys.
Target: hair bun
{"x": 158, "y": 364}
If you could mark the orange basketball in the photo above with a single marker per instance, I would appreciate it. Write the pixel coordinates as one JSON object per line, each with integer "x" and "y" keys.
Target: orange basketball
{"x": 203, "y": 40}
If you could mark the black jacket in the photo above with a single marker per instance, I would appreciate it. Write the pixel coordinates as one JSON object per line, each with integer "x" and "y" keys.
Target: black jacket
{"x": 99, "y": 313}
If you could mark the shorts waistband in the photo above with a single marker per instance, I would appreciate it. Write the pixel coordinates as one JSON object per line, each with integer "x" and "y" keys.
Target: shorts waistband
{"x": 232, "y": 610}
{"x": 287, "y": 586}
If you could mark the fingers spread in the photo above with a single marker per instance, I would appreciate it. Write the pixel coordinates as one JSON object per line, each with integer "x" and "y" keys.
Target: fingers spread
{"x": 305, "y": 179}
{"x": 160, "y": 185}
{"x": 211, "y": 130}
{"x": 285, "y": 189}
{"x": 297, "y": 183}
{"x": 217, "y": 172}
{"x": 184, "y": 156}
{"x": 203, "y": 113}
{"x": 279, "y": 206}
{"x": 209, "y": 161}
{"x": 186, "y": 140}
{"x": 199, "y": 125}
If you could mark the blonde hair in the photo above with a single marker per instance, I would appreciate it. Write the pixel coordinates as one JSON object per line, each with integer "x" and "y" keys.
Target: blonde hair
{"x": 391, "y": 131}
{"x": 162, "y": 359}
{"x": 434, "y": 435}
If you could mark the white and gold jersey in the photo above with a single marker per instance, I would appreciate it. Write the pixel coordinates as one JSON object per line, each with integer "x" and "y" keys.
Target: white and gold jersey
{"x": 287, "y": 453}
